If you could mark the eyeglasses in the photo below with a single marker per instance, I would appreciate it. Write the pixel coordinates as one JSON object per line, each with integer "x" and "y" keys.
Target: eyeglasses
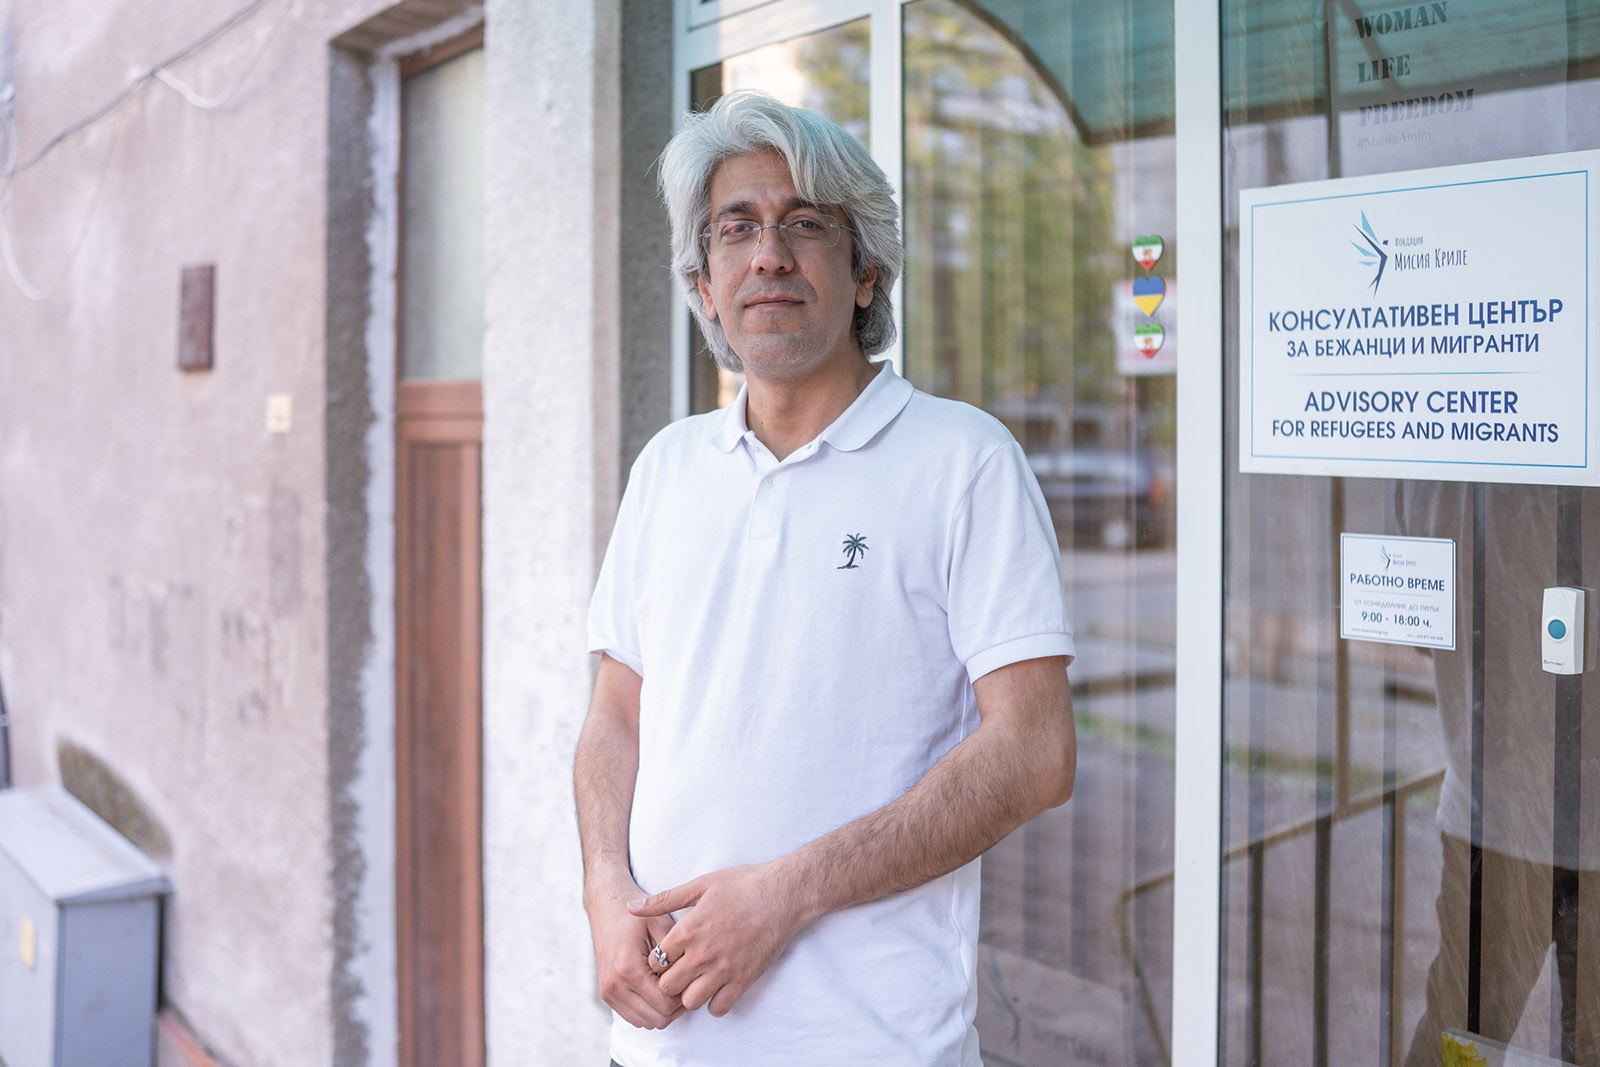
{"x": 799, "y": 233}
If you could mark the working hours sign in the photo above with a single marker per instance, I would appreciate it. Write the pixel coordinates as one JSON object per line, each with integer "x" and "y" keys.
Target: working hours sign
{"x": 1428, "y": 324}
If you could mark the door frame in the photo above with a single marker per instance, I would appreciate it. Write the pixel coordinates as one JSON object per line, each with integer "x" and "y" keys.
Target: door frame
{"x": 1197, "y": 785}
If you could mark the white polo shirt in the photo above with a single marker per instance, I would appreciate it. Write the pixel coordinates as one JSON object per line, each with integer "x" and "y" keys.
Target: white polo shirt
{"x": 807, "y": 633}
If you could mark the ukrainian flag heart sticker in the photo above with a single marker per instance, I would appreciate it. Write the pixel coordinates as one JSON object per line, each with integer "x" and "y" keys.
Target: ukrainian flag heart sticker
{"x": 1146, "y": 250}
{"x": 1147, "y": 338}
{"x": 1148, "y": 293}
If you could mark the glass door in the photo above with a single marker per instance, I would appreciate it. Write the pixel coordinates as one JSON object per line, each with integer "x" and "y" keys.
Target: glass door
{"x": 1411, "y": 837}
{"x": 1041, "y": 285}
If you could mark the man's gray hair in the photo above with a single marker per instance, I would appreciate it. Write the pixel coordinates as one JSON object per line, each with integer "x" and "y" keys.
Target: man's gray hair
{"x": 829, "y": 168}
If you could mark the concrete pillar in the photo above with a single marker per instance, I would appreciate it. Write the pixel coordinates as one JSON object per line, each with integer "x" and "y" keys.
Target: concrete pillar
{"x": 551, "y": 462}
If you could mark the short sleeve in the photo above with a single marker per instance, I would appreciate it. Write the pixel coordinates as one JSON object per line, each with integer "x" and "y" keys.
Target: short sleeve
{"x": 1006, "y": 600}
{"x": 613, "y": 623}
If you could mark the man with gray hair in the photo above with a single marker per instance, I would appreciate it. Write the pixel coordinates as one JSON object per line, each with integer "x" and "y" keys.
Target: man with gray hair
{"x": 833, "y": 647}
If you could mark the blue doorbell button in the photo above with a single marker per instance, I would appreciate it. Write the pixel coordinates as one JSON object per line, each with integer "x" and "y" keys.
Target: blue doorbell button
{"x": 1561, "y": 643}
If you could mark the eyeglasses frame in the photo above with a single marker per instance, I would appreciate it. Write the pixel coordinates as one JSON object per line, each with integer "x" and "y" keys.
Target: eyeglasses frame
{"x": 783, "y": 236}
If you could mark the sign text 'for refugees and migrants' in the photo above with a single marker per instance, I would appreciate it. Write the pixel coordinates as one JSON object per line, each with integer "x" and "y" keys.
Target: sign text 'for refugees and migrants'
{"x": 1428, "y": 324}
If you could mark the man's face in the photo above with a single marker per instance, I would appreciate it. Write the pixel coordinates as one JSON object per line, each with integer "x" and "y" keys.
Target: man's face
{"x": 787, "y": 313}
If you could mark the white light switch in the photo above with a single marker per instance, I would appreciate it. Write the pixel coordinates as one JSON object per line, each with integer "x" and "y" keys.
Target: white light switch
{"x": 280, "y": 412}
{"x": 28, "y": 942}
{"x": 1561, "y": 630}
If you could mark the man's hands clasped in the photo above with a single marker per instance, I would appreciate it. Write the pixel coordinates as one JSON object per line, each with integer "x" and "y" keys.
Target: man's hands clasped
{"x": 739, "y": 920}
{"x": 622, "y": 944}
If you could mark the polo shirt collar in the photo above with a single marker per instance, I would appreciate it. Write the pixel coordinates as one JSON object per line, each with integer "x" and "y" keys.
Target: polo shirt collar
{"x": 729, "y": 427}
{"x": 883, "y": 398}
{"x": 875, "y": 408}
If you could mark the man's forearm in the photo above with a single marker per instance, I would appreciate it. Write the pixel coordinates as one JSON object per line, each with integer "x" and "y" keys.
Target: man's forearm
{"x": 604, "y": 772}
{"x": 603, "y": 789}
{"x": 1003, "y": 774}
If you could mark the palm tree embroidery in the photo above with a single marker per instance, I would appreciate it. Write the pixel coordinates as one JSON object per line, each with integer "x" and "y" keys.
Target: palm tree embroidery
{"x": 853, "y": 545}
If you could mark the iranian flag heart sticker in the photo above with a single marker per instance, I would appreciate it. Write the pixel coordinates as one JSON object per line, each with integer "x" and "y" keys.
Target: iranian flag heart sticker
{"x": 1148, "y": 293}
{"x": 1147, "y": 337}
{"x": 1146, "y": 250}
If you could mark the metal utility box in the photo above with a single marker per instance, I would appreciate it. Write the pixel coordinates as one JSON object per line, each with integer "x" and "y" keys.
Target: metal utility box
{"x": 79, "y": 929}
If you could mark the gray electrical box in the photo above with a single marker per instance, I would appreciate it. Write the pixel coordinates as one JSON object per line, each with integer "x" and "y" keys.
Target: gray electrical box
{"x": 79, "y": 929}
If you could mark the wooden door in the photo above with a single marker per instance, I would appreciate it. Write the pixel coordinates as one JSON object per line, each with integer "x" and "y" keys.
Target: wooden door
{"x": 438, "y": 722}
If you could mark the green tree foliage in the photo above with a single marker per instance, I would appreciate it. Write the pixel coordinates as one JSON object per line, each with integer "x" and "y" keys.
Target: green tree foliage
{"x": 1009, "y": 222}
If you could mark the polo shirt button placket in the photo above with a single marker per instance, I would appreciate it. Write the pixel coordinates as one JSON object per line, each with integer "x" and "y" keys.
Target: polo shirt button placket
{"x": 766, "y": 510}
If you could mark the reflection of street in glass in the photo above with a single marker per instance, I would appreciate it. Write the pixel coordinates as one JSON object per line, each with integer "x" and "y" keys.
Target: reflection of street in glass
{"x": 1020, "y": 217}
{"x": 1116, "y": 498}
{"x": 1517, "y": 849}
{"x": 1358, "y": 915}
{"x": 1072, "y": 968}
{"x": 1103, "y": 489}
{"x": 1305, "y": 859}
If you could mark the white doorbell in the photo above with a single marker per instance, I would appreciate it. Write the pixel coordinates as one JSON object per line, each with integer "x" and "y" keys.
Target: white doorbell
{"x": 1561, "y": 633}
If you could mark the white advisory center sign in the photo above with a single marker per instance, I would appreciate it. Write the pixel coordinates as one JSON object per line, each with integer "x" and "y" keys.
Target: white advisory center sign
{"x": 1428, "y": 324}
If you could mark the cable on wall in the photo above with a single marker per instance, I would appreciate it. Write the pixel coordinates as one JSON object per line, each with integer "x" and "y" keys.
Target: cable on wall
{"x": 10, "y": 169}
{"x": 19, "y": 278}
{"x": 138, "y": 82}
{"x": 187, "y": 91}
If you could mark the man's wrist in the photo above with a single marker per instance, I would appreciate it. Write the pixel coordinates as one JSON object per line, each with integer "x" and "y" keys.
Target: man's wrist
{"x": 606, "y": 885}
{"x": 800, "y": 884}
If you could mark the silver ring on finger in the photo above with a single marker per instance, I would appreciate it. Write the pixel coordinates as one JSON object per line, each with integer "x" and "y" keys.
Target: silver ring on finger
{"x": 660, "y": 958}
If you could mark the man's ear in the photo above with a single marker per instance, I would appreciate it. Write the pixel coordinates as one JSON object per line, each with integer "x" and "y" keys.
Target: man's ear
{"x": 707, "y": 305}
{"x": 864, "y": 284}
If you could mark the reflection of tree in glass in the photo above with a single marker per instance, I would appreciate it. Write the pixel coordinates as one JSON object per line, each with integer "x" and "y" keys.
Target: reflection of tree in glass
{"x": 1011, "y": 263}
{"x": 837, "y": 65}
{"x": 826, "y": 71}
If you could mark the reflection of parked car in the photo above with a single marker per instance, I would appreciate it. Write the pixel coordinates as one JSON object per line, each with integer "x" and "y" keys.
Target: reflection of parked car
{"x": 1100, "y": 490}
{"x": 1111, "y": 497}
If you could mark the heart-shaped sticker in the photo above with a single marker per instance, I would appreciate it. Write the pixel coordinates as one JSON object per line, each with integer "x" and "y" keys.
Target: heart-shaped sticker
{"x": 1147, "y": 338}
{"x": 1148, "y": 293}
{"x": 1146, "y": 250}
